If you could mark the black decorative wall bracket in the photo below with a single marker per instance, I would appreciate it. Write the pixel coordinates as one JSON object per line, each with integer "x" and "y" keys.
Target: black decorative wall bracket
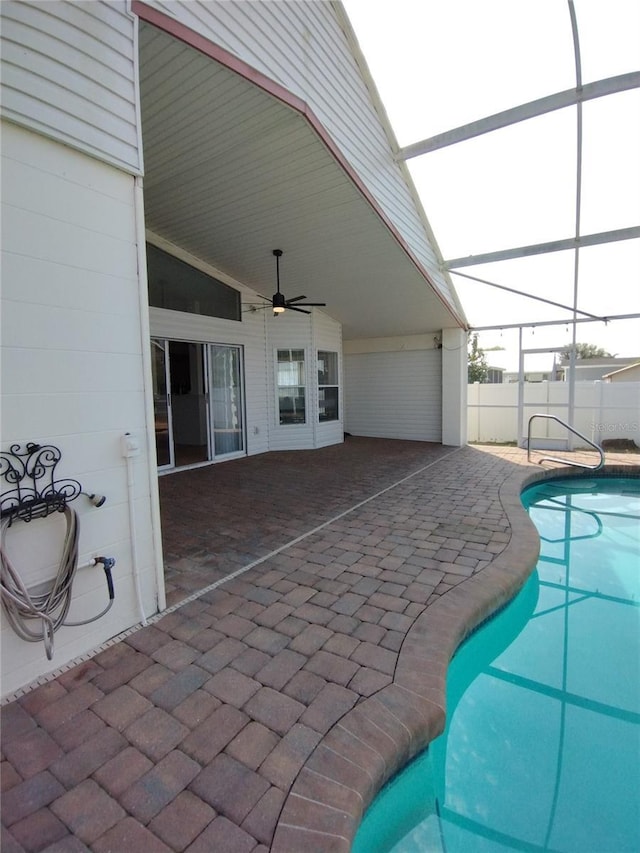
{"x": 34, "y": 491}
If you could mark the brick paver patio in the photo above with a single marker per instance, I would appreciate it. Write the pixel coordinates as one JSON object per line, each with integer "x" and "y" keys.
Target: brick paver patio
{"x": 265, "y": 712}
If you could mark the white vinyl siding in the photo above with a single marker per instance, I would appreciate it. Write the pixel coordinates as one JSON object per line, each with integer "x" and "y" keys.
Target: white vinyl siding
{"x": 394, "y": 394}
{"x": 289, "y": 331}
{"x": 178, "y": 326}
{"x": 303, "y": 47}
{"x": 250, "y": 334}
{"x": 260, "y": 334}
{"x": 72, "y": 376}
{"x": 69, "y": 72}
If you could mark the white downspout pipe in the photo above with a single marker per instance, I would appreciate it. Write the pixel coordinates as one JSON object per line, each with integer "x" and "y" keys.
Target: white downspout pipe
{"x": 131, "y": 448}
{"x": 145, "y": 331}
{"x": 145, "y": 338}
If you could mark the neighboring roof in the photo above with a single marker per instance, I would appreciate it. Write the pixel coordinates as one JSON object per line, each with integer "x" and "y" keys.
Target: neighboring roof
{"x": 604, "y": 361}
{"x": 632, "y": 366}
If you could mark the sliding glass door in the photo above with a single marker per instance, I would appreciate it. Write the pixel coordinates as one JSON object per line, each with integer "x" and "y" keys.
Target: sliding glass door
{"x": 160, "y": 378}
{"x": 187, "y": 371}
{"x": 226, "y": 400}
{"x": 198, "y": 402}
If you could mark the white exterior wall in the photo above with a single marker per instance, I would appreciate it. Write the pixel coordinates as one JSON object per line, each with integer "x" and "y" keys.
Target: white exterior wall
{"x": 310, "y": 333}
{"x": 250, "y": 334}
{"x": 393, "y": 388}
{"x": 72, "y": 376}
{"x": 303, "y": 46}
{"x": 260, "y": 334}
{"x": 69, "y": 72}
{"x": 454, "y": 387}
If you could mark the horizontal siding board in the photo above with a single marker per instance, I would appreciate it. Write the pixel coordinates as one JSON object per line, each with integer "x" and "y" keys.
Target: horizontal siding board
{"x": 45, "y": 118}
{"x": 53, "y": 53}
{"x": 66, "y": 289}
{"x": 69, "y": 73}
{"x": 38, "y": 192}
{"x": 394, "y": 395}
{"x": 86, "y": 101}
{"x": 35, "y": 151}
{"x": 241, "y": 28}
{"x": 77, "y": 371}
{"x": 69, "y": 414}
{"x": 45, "y": 328}
{"x": 63, "y": 243}
{"x": 95, "y": 29}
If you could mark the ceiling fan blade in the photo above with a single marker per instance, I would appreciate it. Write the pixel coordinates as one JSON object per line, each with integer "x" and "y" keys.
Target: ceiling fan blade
{"x": 296, "y": 298}
{"x": 313, "y": 304}
{"x": 300, "y": 310}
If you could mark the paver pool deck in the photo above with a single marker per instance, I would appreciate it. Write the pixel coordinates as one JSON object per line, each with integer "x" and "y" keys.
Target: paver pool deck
{"x": 314, "y": 601}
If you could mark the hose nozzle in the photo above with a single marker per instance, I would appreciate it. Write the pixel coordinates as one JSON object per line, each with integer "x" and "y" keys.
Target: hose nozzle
{"x": 96, "y": 500}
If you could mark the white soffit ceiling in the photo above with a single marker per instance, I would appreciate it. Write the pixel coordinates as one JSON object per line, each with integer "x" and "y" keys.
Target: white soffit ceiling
{"x": 231, "y": 174}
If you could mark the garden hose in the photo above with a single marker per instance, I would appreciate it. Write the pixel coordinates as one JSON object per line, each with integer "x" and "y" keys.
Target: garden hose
{"x": 46, "y": 602}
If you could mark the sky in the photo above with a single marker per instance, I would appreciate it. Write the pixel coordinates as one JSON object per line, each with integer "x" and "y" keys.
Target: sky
{"x": 439, "y": 64}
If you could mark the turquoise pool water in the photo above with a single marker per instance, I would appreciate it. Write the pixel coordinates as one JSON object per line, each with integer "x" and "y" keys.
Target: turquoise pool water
{"x": 542, "y": 746}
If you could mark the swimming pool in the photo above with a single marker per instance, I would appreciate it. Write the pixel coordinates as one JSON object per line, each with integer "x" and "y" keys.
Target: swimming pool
{"x": 542, "y": 746}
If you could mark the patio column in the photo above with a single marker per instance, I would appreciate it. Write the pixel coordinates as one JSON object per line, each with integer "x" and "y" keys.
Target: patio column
{"x": 454, "y": 387}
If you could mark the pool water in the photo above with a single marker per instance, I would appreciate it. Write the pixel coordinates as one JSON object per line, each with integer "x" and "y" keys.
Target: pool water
{"x": 542, "y": 746}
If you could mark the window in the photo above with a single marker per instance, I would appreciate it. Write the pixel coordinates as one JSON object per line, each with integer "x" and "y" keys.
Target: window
{"x": 181, "y": 287}
{"x": 327, "y": 386}
{"x": 291, "y": 386}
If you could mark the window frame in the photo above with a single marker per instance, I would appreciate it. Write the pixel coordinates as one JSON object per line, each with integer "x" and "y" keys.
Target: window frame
{"x": 321, "y": 386}
{"x": 294, "y": 418}
{"x": 177, "y": 285}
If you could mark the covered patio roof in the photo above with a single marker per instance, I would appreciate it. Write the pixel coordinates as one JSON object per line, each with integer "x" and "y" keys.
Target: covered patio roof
{"x": 235, "y": 167}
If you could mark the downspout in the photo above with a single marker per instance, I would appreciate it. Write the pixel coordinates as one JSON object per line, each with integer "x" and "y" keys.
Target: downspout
{"x": 314, "y": 391}
{"x": 131, "y": 448}
{"x": 145, "y": 332}
{"x": 145, "y": 337}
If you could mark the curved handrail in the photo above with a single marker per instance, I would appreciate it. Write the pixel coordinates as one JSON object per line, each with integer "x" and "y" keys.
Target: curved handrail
{"x": 557, "y": 459}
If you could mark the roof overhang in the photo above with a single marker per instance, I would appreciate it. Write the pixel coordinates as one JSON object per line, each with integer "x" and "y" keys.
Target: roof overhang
{"x": 236, "y": 167}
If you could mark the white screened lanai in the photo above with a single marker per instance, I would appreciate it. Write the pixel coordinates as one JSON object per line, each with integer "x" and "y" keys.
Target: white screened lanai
{"x": 520, "y": 125}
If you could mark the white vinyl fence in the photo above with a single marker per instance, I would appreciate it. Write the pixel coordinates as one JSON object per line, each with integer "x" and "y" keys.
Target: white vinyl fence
{"x": 602, "y": 410}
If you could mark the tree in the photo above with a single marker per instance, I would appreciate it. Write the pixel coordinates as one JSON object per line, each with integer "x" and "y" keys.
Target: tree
{"x": 477, "y": 369}
{"x": 585, "y": 351}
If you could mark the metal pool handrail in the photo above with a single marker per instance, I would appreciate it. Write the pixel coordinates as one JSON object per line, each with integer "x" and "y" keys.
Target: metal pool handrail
{"x": 557, "y": 459}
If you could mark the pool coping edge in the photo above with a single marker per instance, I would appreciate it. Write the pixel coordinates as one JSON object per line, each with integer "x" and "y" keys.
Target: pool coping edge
{"x": 374, "y": 740}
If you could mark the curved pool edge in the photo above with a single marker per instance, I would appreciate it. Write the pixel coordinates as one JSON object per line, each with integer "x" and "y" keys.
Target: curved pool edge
{"x": 374, "y": 740}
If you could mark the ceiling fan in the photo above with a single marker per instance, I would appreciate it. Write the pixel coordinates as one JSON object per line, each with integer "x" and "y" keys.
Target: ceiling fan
{"x": 278, "y": 301}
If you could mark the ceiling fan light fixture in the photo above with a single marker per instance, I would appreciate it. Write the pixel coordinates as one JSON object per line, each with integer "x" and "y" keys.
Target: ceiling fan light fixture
{"x": 278, "y": 301}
